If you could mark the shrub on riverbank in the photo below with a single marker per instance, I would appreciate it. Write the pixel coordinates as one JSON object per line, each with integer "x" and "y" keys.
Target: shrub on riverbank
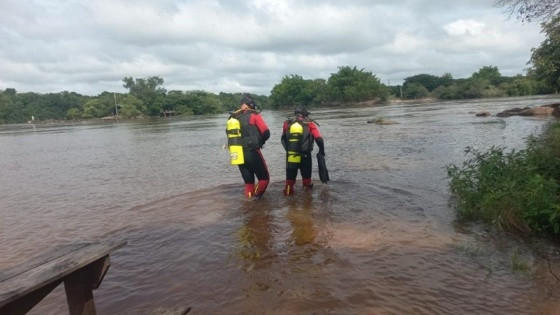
{"x": 517, "y": 190}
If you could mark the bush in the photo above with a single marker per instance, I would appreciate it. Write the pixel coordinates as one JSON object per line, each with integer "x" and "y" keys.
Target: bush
{"x": 414, "y": 91}
{"x": 519, "y": 190}
{"x": 446, "y": 92}
{"x": 472, "y": 88}
{"x": 519, "y": 87}
{"x": 492, "y": 91}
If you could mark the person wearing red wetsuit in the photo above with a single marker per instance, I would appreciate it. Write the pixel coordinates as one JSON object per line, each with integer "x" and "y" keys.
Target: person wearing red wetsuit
{"x": 254, "y": 133}
{"x": 309, "y": 134}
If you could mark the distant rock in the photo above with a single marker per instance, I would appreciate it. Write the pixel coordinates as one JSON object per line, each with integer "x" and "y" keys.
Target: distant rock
{"x": 381, "y": 121}
{"x": 483, "y": 114}
{"x": 511, "y": 112}
{"x": 537, "y": 111}
{"x": 544, "y": 110}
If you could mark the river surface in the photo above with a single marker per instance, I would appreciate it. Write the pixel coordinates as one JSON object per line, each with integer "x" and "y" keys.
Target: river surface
{"x": 380, "y": 238}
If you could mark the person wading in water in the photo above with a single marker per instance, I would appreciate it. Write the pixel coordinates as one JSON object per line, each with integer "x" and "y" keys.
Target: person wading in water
{"x": 247, "y": 133}
{"x": 298, "y": 134}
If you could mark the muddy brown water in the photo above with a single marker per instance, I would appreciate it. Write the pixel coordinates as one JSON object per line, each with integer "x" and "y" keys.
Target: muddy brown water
{"x": 380, "y": 238}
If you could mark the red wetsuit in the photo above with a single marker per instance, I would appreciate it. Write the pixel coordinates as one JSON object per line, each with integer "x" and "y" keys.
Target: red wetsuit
{"x": 306, "y": 164}
{"x": 255, "y": 133}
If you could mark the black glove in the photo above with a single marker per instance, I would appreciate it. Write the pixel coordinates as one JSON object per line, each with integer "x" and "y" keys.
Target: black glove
{"x": 321, "y": 145}
{"x": 283, "y": 141}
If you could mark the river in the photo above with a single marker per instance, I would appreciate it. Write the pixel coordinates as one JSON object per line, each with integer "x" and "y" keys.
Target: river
{"x": 380, "y": 237}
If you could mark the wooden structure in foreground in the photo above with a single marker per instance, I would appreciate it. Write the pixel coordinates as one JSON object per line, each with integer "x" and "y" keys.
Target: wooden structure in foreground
{"x": 80, "y": 266}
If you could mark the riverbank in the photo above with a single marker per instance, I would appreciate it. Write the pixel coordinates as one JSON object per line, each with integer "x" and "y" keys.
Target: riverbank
{"x": 515, "y": 191}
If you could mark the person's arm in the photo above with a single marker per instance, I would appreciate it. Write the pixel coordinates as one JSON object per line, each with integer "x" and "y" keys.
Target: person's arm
{"x": 318, "y": 138}
{"x": 265, "y": 136}
{"x": 283, "y": 139}
{"x": 262, "y": 127}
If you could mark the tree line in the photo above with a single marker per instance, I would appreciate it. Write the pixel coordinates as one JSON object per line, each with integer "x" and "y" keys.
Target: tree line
{"x": 147, "y": 97}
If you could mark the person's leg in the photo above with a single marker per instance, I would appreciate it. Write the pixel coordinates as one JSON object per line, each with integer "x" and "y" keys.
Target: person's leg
{"x": 291, "y": 174}
{"x": 306, "y": 167}
{"x": 249, "y": 180}
{"x": 261, "y": 171}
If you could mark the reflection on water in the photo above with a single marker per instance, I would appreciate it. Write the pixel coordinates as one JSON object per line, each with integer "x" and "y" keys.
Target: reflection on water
{"x": 301, "y": 219}
{"x": 256, "y": 239}
{"x": 379, "y": 238}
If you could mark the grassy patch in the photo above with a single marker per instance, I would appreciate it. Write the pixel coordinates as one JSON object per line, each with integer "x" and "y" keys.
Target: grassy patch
{"x": 518, "y": 265}
{"x": 517, "y": 190}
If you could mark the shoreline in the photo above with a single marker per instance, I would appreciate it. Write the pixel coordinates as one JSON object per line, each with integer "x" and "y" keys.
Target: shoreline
{"x": 371, "y": 103}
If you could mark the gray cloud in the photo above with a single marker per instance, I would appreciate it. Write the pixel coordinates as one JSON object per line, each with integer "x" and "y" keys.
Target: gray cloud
{"x": 232, "y": 46}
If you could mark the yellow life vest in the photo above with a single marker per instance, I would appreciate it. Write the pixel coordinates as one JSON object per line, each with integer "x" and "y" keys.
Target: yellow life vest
{"x": 294, "y": 143}
{"x": 235, "y": 142}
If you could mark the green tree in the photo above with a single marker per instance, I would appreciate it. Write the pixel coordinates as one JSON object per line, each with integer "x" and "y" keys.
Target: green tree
{"x": 446, "y": 79}
{"x": 519, "y": 86}
{"x": 147, "y": 90}
{"x": 74, "y": 113}
{"x": 428, "y": 81}
{"x": 96, "y": 108}
{"x": 318, "y": 88}
{"x": 415, "y": 91}
{"x": 449, "y": 92}
{"x": 230, "y": 101}
{"x": 353, "y": 85}
{"x": 10, "y": 108}
{"x": 130, "y": 106}
{"x": 33, "y": 104}
{"x": 194, "y": 103}
{"x": 545, "y": 59}
{"x": 489, "y": 73}
{"x": 292, "y": 90}
{"x": 472, "y": 88}
{"x": 202, "y": 102}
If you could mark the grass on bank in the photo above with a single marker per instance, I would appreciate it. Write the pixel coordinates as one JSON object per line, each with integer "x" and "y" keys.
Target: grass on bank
{"x": 516, "y": 190}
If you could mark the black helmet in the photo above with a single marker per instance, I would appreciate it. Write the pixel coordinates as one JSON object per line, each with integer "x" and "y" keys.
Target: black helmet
{"x": 246, "y": 99}
{"x": 301, "y": 110}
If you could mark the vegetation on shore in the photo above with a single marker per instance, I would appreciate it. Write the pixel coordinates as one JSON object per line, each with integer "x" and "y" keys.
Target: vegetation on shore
{"x": 519, "y": 190}
{"x": 148, "y": 98}
{"x": 514, "y": 191}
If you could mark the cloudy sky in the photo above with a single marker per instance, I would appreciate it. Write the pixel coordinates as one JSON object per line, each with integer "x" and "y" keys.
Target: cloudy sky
{"x": 249, "y": 45}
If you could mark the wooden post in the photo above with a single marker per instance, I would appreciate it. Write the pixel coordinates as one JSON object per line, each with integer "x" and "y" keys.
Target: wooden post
{"x": 79, "y": 294}
{"x": 98, "y": 269}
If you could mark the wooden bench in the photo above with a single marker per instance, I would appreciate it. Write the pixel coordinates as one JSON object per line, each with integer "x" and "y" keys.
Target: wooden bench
{"x": 80, "y": 266}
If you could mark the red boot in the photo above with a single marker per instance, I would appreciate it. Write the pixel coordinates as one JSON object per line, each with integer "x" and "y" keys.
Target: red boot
{"x": 289, "y": 188}
{"x": 307, "y": 184}
{"x": 260, "y": 188}
{"x": 249, "y": 189}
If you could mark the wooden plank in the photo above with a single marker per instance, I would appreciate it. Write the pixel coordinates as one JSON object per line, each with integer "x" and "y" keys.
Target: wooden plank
{"x": 18, "y": 286}
{"x": 40, "y": 259}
